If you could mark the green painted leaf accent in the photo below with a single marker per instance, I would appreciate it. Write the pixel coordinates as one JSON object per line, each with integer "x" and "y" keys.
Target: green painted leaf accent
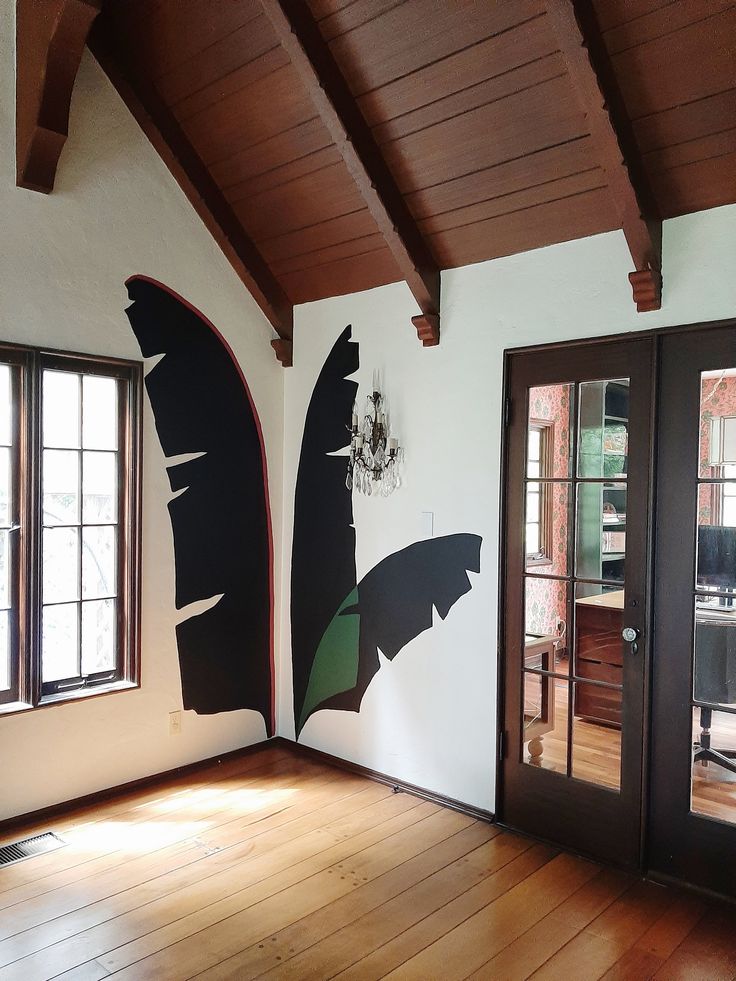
{"x": 335, "y": 665}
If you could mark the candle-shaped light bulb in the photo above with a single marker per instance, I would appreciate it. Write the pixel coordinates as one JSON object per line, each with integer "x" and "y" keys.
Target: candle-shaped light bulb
{"x": 393, "y": 444}
{"x": 359, "y": 441}
{"x": 355, "y": 417}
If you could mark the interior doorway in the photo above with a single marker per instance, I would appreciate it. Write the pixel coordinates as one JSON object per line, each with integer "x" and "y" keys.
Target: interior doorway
{"x": 619, "y": 631}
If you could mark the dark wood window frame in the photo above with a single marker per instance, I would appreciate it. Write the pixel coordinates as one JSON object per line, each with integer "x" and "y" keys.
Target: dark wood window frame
{"x": 546, "y": 430}
{"x": 27, "y": 691}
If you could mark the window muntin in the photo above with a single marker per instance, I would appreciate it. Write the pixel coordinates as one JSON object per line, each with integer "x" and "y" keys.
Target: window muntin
{"x": 76, "y": 479}
{"x": 539, "y": 495}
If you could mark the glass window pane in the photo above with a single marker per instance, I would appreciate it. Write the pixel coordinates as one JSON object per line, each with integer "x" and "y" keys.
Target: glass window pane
{"x": 601, "y": 532}
{"x": 546, "y": 615}
{"x": 713, "y": 781}
{"x": 60, "y": 487}
{"x": 533, "y": 447}
{"x": 532, "y": 538}
{"x": 60, "y": 409}
{"x": 603, "y": 434}
{"x": 716, "y": 568}
{"x": 553, "y": 539}
{"x": 60, "y": 643}
{"x": 98, "y": 562}
{"x": 5, "y": 560}
{"x": 596, "y": 748}
{"x": 6, "y": 405}
{"x": 4, "y": 652}
{"x": 714, "y": 675}
{"x": 545, "y": 722}
{"x": 5, "y": 488}
{"x": 532, "y": 504}
{"x": 550, "y": 404}
{"x": 100, "y": 415}
{"x": 717, "y": 421}
{"x": 99, "y": 493}
{"x": 60, "y": 565}
{"x": 98, "y": 636}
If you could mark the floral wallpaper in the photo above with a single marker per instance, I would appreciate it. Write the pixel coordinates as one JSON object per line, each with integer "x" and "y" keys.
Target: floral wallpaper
{"x": 717, "y": 398}
{"x": 546, "y": 601}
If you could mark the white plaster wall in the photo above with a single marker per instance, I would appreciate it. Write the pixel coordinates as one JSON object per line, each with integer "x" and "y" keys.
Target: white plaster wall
{"x": 64, "y": 258}
{"x": 429, "y": 717}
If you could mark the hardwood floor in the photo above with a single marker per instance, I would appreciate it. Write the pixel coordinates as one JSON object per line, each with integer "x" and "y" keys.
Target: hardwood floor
{"x": 273, "y": 866}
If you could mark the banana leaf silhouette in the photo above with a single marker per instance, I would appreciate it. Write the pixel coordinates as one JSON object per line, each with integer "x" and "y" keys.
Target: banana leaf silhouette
{"x": 220, "y": 516}
{"x": 338, "y": 625}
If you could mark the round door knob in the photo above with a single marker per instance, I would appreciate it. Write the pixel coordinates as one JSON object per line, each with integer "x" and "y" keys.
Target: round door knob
{"x": 629, "y": 634}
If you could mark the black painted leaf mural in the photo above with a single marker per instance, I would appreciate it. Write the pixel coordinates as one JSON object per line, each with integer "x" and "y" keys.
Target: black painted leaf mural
{"x": 389, "y": 607}
{"x": 220, "y": 516}
{"x": 338, "y": 625}
{"x": 323, "y": 552}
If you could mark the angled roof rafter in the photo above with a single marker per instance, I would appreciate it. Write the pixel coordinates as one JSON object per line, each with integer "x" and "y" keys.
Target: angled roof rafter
{"x": 589, "y": 67}
{"x": 314, "y": 63}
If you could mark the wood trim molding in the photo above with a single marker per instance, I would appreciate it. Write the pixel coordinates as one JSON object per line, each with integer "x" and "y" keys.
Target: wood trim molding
{"x": 49, "y": 42}
{"x": 399, "y": 786}
{"x": 314, "y": 63}
{"x": 64, "y": 807}
{"x": 589, "y": 67}
{"x": 169, "y": 140}
{"x": 284, "y": 350}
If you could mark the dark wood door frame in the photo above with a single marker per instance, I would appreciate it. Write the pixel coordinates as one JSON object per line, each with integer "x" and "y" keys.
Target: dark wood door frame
{"x": 648, "y": 855}
{"x": 683, "y": 846}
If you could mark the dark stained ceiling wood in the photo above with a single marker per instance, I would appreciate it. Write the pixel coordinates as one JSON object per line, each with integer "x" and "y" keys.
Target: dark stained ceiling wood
{"x": 472, "y": 106}
{"x": 50, "y": 39}
{"x": 589, "y": 68}
{"x": 159, "y": 124}
{"x": 321, "y": 77}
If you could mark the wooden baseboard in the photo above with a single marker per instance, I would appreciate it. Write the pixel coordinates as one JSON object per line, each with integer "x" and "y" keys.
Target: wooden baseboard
{"x": 64, "y": 807}
{"x": 55, "y": 810}
{"x": 399, "y": 785}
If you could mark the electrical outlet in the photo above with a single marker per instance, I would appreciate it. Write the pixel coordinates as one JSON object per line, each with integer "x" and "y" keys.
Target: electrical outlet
{"x": 175, "y": 723}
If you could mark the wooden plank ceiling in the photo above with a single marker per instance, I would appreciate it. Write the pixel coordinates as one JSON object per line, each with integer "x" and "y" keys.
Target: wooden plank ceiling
{"x": 478, "y": 117}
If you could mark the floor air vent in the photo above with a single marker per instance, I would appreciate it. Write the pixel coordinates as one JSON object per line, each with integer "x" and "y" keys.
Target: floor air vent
{"x": 29, "y": 847}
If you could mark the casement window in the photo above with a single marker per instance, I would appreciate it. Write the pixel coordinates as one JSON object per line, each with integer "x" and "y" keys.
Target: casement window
{"x": 69, "y": 526}
{"x": 539, "y": 495}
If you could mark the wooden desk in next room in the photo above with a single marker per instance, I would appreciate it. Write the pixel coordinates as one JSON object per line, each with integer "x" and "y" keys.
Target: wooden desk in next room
{"x": 599, "y": 621}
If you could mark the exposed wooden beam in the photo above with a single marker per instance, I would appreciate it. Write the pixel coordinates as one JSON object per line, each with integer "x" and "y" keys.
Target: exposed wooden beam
{"x": 284, "y": 351}
{"x": 164, "y": 132}
{"x": 589, "y": 67}
{"x": 50, "y": 38}
{"x": 312, "y": 59}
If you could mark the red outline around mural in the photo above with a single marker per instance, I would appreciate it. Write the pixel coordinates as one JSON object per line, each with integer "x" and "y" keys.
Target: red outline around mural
{"x": 270, "y": 724}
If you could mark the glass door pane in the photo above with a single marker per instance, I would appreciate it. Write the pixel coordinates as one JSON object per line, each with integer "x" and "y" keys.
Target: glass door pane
{"x": 573, "y": 652}
{"x": 713, "y": 771}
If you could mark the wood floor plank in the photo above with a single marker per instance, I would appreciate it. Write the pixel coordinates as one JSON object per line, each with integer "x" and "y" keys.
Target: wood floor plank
{"x": 529, "y": 952}
{"x": 276, "y": 867}
{"x": 381, "y": 850}
{"x": 256, "y": 860}
{"x": 100, "y": 832}
{"x": 607, "y": 939}
{"x": 708, "y": 953}
{"x": 465, "y": 948}
{"x": 68, "y": 911}
{"x": 147, "y": 858}
{"x": 387, "y": 956}
{"x": 339, "y": 934}
{"x": 659, "y": 942}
